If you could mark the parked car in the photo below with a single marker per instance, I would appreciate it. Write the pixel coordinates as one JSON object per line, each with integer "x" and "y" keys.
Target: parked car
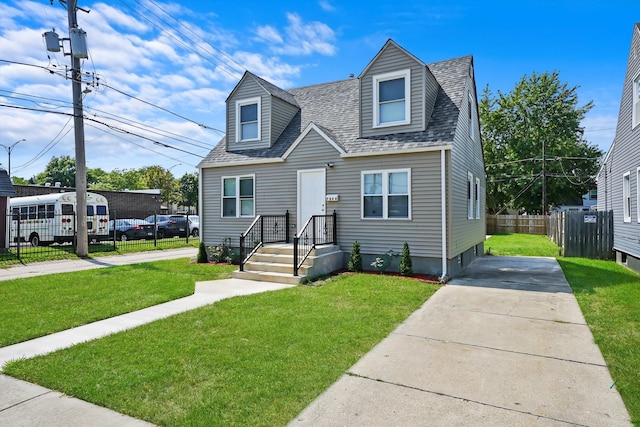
{"x": 130, "y": 229}
{"x": 194, "y": 225}
{"x": 169, "y": 225}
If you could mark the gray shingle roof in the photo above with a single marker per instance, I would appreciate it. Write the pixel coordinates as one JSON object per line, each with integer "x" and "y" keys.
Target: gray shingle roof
{"x": 335, "y": 108}
{"x": 6, "y": 187}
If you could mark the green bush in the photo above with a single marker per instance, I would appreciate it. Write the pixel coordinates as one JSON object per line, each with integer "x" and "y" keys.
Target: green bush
{"x": 202, "y": 254}
{"x": 355, "y": 261}
{"x": 406, "y": 266}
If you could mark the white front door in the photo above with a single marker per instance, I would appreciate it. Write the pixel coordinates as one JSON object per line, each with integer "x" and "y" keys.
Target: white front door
{"x": 311, "y": 194}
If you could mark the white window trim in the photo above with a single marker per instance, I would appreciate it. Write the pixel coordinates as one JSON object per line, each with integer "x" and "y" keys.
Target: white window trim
{"x": 477, "y": 197}
{"x": 635, "y": 102}
{"x": 243, "y": 102}
{"x": 470, "y": 197}
{"x": 237, "y": 196}
{"x": 385, "y": 194}
{"x": 626, "y": 197}
{"x": 638, "y": 195}
{"x": 407, "y": 97}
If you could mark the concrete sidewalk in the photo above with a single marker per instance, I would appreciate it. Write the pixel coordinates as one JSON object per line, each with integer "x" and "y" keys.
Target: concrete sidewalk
{"x": 503, "y": 345}
{"x": 25, "y": 404}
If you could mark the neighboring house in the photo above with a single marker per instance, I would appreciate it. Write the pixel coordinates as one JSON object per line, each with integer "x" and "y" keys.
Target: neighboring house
{"x": 619, "y": 176}
{"x": 6, "y": 191}
{"x": 395, "y": 152}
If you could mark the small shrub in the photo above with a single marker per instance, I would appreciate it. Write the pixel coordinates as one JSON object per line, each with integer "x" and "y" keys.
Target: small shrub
{"x": 382, "y": 262}
{"x": 406, "y": 266}
{"x": 222, "y": 252}
{"x": 355, "y": 261}
{"x": 202, "y": 257}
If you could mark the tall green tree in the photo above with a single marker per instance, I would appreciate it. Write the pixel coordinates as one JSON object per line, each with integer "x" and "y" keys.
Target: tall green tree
{"x": 188, "y": 190}
{"x": 59, "y": 169}
{"x": 536, "y": 128}
{"x": 159, "y": 177}
{"x": 120, "y": 179}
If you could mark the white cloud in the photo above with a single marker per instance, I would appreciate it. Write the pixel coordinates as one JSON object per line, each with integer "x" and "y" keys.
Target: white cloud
{"x": 326, "y": 6}
{"x": 301, "y": 38}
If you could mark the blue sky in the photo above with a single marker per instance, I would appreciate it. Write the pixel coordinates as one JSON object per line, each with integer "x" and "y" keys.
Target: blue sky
{"x": 185, "y": 57}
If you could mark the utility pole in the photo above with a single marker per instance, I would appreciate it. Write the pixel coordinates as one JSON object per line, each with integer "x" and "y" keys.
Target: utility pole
{"x": 82, "y": 238}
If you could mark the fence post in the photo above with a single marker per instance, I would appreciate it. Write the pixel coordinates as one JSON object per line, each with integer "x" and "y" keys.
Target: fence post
{"x": 295, "y": 255}
{"x": 18, "y": 239}
{"x": 286, "y": 222}
{"x": 335, "y": 227}
{"x": 241, "y": 252}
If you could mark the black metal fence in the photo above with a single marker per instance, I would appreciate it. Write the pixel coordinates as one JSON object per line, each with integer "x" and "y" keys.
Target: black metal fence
{"x": 319, "y": 230}
{"x": 583, "y": 234}
{"x": 264, "y": 229}
{"x": 39, "y": 236}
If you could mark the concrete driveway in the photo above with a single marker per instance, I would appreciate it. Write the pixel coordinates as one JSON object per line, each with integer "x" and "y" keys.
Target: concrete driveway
{"x": 505, "y": 344}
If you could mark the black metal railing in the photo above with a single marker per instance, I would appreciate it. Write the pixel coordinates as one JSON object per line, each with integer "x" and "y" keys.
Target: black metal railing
{"x": 318, "y": 230}
{"x": 264, "y": 229}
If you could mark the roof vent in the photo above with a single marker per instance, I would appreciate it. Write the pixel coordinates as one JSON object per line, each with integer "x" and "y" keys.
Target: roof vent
{"x": 351, "y": 75}
{"x": 47, "y": 184}
{"x": 58, "y": 184}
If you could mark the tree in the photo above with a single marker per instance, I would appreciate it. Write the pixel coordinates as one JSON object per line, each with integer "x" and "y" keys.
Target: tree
{"x": 118, "y": 180}
{"x": 188, "y": 190}
{"x": 159, "y": 177}
{"x": 62, "y": 170}
{"x": 530, "y": 135}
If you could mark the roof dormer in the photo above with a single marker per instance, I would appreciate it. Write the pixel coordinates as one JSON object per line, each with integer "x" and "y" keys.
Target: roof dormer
{"x": 397, "y": 93}
{"x": 257, "y": 113}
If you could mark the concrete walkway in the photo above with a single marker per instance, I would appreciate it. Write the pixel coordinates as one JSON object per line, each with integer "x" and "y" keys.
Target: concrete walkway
{"x": 503, "y": 345}
{"x": 25, "y": 404}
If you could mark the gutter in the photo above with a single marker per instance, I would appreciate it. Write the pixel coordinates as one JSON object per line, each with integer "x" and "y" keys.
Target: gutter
{"x": 443, "y": 213}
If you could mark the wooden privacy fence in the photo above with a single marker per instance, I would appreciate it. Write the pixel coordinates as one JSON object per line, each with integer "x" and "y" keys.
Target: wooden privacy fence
{"x": 525, "y": 224}
{"x": 583, "y": 234}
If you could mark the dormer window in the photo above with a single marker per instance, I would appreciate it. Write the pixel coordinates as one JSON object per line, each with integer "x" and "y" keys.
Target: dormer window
{"x": 248, "y": 120}
{"x": 392, "y": 99}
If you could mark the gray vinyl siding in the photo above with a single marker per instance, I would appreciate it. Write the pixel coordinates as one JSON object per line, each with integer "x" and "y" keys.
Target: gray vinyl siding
{"x": 624, "y": 157}
{"x": 276, "y": 192}
{"x": 248, "y": 89}
{"x": 393, "y": 59}
{"x": 466, "y": 156}
{"x": 281, "y": 114}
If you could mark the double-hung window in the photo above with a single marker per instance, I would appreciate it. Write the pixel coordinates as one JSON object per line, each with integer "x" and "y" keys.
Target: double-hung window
{"x": 470, "y": 197}
{"x": 248, "y": 120}
{"x": 636, "y": 102}
{"x": 472, "y": 117}
{"x": 392, "y": 99}
{"x": 238, "y": 196}
{"x": 477, "y": 198}
{"x": 386, "y": 194}
{"x": 626, "y": 196}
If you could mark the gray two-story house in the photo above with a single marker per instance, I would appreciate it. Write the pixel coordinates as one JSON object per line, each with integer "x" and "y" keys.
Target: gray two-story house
{"x": 393, "y": 155}
{"x": 619, "y": 176}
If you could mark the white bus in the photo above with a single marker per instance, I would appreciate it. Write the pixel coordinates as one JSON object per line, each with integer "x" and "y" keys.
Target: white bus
{"x": 50, "y": 218}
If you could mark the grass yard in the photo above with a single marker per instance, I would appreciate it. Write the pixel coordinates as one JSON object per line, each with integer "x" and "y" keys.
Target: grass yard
{"x": 520, "y": 244}
{"x": 609, "y": 297}
{"x": 41, "y": 305}
{"x": 256, "y": 360}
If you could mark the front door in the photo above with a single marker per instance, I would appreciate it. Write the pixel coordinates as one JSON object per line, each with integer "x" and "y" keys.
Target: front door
{"x": 311, "y": 194}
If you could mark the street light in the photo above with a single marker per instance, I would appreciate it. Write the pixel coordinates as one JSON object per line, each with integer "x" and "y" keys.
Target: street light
{"x": 9, "y": 150}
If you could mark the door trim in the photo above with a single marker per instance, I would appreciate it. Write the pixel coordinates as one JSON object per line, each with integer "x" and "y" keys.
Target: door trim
{"x": 300, "y": 172}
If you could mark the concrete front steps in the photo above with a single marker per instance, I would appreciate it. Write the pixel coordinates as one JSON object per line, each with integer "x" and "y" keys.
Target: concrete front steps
{"x": 274, "y": 263}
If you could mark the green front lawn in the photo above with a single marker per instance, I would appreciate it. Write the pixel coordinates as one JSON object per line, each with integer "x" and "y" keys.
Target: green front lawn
{"x": 520, "y": 245}
{"x": 256, "y": 360}
{"x": 41, "y": 305}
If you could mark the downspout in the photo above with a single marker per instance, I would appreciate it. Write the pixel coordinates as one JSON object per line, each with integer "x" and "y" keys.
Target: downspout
{"x": 443, "y": 213}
